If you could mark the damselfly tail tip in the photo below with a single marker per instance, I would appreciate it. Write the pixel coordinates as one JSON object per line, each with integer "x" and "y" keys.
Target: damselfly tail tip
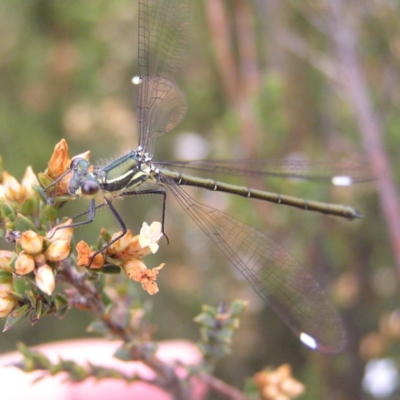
{"x": 358, "y": 215}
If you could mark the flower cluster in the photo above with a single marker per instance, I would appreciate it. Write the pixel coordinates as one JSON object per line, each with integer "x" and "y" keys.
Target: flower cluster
{"x": 17, "y": 197}
{"x": 20, "y": 206}
{"x": 35, "y": 255}
{"x": 37, "y": 251}
{"x": 127, "y": 252}
{"x": 278, "y": 384}
{"x": 15, "y": 193}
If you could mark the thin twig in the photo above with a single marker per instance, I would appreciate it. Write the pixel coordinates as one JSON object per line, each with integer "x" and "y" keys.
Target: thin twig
{"x": 166, "y": 375}
{"x": 223, "y": 388}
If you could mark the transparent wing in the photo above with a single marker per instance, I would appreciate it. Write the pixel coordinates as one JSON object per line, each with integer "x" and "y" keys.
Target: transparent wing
{"x": 163, "y": 31}
{"x": 290, "y": 168}
{"x": 272, "y": 272}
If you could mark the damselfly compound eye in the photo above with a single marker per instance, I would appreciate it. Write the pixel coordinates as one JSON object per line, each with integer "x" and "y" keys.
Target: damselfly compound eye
{"x": 90, "y": 188}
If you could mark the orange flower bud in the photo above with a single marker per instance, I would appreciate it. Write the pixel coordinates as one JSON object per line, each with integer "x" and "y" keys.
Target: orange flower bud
{"x": 7, "y": 304}
{"x": 59, "y": 161}
{"x": 12, "y": 188}
{"x": 58, "y": 250}
{"x": 61, "y": 234}
{"x": 45, "y": 280}
{"x": 5, "y": 258}
{"x": 24, "y": 264}
{"x": 278, "y": 383}
{"x": 5, "y": 287}
{"x": 28, "y": 180}
{"x": 31, "y": 242}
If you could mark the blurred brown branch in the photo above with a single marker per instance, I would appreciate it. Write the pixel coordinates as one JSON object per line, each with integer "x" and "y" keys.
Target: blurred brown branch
{"x": 348, "y": 73}
{"x": 241, "y": 78}
{"x": 345, "y": 38}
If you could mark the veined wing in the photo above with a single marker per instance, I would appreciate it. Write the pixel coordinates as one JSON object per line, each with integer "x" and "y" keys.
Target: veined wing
{"x": 163, "y": 31}
{"x": 343, "y": 174}
{"x": 273, "y": 273}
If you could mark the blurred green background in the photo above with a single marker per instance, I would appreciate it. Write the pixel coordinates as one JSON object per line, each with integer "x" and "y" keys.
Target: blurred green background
{"x": 260, "y": 81}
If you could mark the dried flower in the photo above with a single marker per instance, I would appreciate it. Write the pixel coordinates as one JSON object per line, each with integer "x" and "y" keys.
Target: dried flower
{"x": 278, "y": 384}
{"x": 150, "y": 235}
{"x": 45, "y": 279}
{"x": 31, "y": 242}
{"x": 121, "y": 244}
{"x": 85, "y": 255}
{"x": 133, "y": 250}
{"x": 137, "y": 270}
{"x": 24, "y": 264}
{"x": 127, "y": 251}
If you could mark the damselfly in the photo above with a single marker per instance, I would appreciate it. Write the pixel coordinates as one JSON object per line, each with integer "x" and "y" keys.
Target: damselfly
{"x": 272, "y": 272}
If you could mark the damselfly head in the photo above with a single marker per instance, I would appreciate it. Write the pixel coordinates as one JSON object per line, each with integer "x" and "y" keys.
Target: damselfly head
{"x": 80, "y": 170}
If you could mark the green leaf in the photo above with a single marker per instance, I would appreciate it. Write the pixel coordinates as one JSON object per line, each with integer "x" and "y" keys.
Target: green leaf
{"x": 76, "y": 372}
{"x": 237, "y": 307}
{"x": 98, "y": 326}
{"x": 110, "y": 269}
{"x": 17, "y": 296}
{"x": 16, "y": 316}
{"x": 123, "y": 354}
{"x": 40, "y": 192}
{"x": 30, "y": 206}
{"x": 99, "y": 283}
{"x": 60, "y": 301}
{"x": 107, "y": 300}
{"x": 21, "y": 285}
{"x": 5, "y": 276}
{"x": 205, "y": 319}
{"x": 6, "y": 211}
{"x": 224, "y": 335}
{"x": 23, "y": 224}
{"x": 36, "y": 312}
{"x": 50, "y": 212}
{"x": 31, "y": 296}
{"x": 44, "y": 180}
{"x": 205, "y": 308}
{"x": 62, "y": 311}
